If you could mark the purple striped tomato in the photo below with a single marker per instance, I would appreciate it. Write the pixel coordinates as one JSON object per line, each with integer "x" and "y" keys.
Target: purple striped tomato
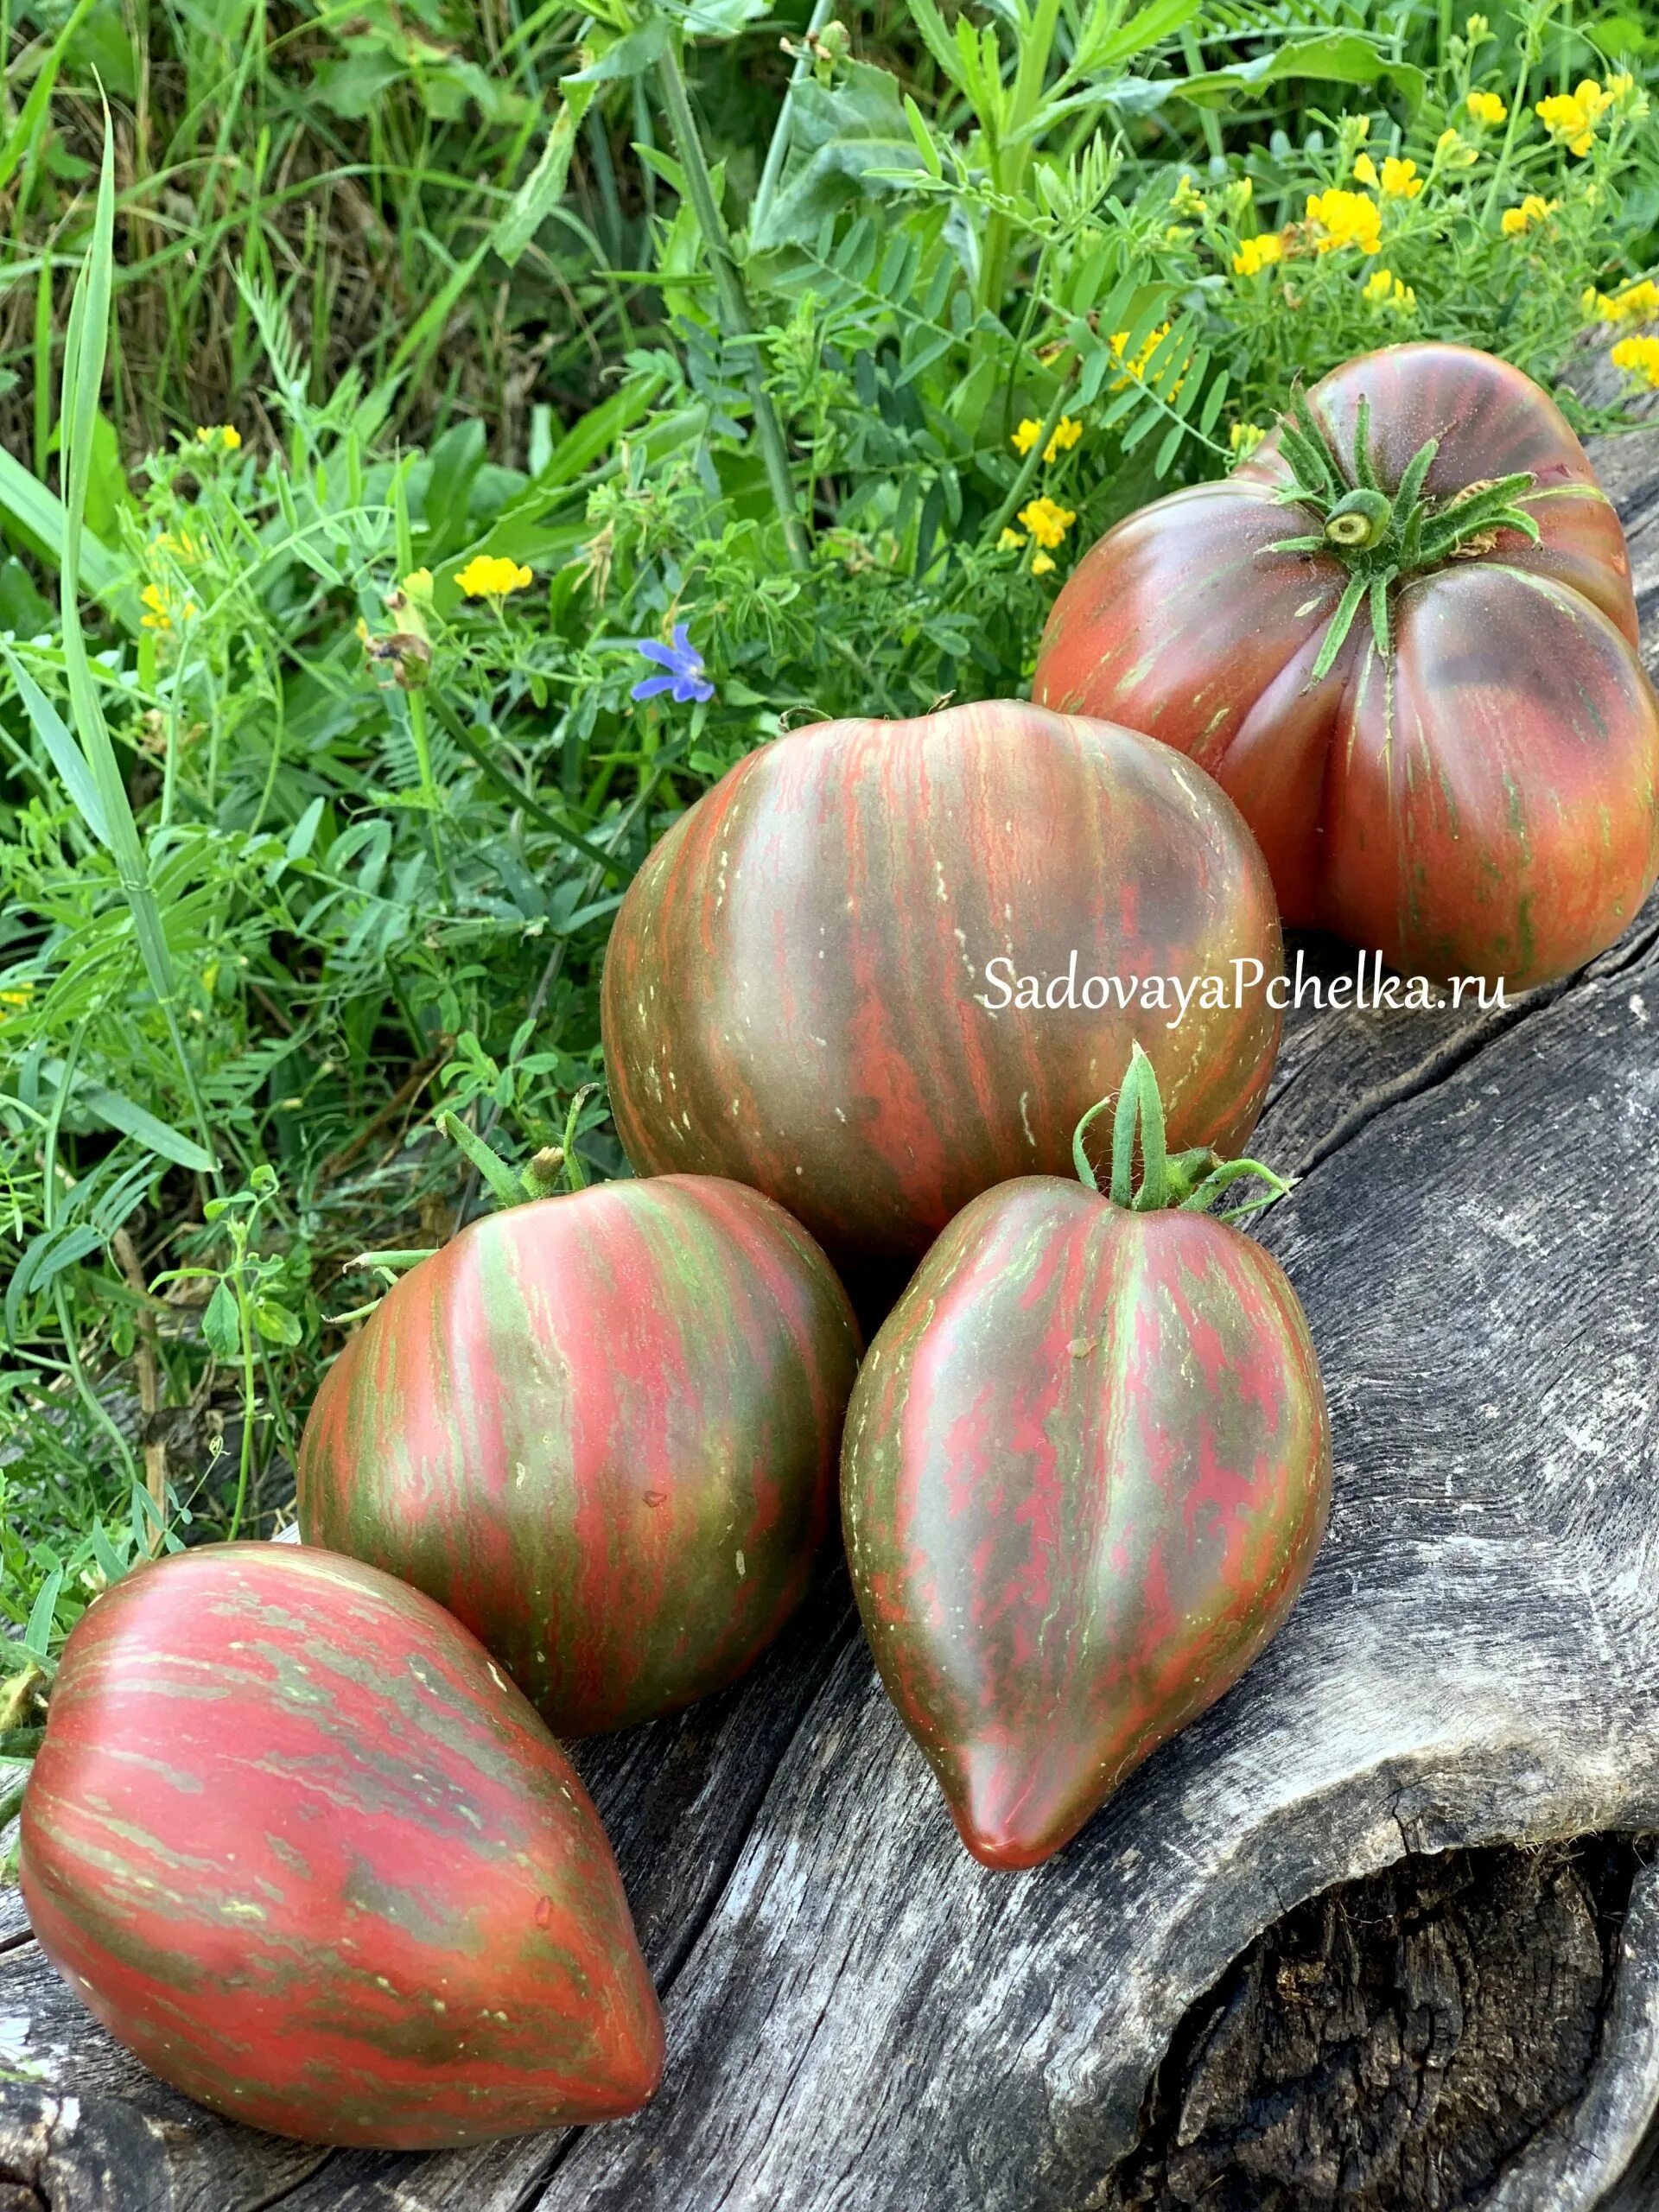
{"x": 1403, "y": 638}
{"x": 601, "y": 1429}
{"x": 302, "y": 1846}
{"x": 881, "y": 966}
{"x": 1086, "y": 1470}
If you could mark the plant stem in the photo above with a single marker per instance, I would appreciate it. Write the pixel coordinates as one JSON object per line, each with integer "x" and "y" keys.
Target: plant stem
{"x": 244, "y": 1315}
{"x": 735, "y": 317}
{"x": 1531, "y": 47}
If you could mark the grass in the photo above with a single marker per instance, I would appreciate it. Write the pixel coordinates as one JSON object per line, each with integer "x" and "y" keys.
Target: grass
{"x": 310, "y": 853}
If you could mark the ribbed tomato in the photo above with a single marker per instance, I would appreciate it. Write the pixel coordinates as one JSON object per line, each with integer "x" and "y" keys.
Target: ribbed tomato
{"x": 1086, "y": 1470}
{"x": 303, "y": 1848}
{"x": 601, "y": 1429}
{"x": 843, "y": 976}
{"x": 1403, "y": 638}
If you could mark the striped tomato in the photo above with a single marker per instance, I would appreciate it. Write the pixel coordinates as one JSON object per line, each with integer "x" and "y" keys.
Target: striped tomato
{"x": 882, "y": 966}
{"x": 303, "y": 1848}
{"x": 601, "y": 1429}
{"x": 1086, "y": 1471}
{"x": 1403, "y": 638}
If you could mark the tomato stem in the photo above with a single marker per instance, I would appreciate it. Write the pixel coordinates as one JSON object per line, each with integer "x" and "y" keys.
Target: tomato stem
{"x": 1190, "y": 1181}
{"x": 1381, "y": 537}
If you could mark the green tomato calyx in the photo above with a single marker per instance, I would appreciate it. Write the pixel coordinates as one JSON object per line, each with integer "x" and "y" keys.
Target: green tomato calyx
{"x": 1382, "y": 536}
{"x": 1188, "y": 1181}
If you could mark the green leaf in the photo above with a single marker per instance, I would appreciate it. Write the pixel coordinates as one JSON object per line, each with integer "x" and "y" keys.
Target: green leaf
{"x": 1102, "y": 47}
{"x": 925, "y": 14}
{"x": 37, "y": 516}
{"x": 926, "y": 144}
{"x": 29, "y": 127}
{"x": 543, "y": 190}
{"x": 276, "y": 1322}
{"x": 37, "y": 1637}
{"x": 61, "y": 749}
{"x": 1334, "y": 57}
{"x": 841, "y": 139}
{"x": 221, "y": 1323}
{"x": 630, "y": 55}
{"x": 119, "y": 1112}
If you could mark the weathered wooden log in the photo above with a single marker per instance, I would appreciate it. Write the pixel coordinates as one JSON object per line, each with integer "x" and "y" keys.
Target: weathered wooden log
{"x": 861, "y": 2016}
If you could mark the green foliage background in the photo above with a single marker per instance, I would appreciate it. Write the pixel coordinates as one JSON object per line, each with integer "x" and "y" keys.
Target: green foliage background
{"x": 699, "y": 316}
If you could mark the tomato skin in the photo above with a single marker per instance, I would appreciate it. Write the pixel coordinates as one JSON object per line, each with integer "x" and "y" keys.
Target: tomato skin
{"x": 302, "y": 1846}
{"x": 601, "y": 1429}
{"x": 791, "y": 994}
{"x": 1486, "y": 802}
{"x": 1086, "y": 1470}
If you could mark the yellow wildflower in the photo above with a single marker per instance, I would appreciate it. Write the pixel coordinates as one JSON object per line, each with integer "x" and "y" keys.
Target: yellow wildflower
{"x": 1637, "y": 302}
{"x": 163, "y": 610}
{"x": 1341, "y": 218}
{"x": 223, "y": 435}
{"x": 1040, "y": 564}
{"x": 1010, "y": 542}
{"x": 1064, "y": 435}
{"x": 1486, "y": 108}
{"x": 1383, "y": 290}
{"x": 1137, "y": 368}
{"x": 1365, "y": 168}
{"x": 1186, "y": 199}
{"x": 1258, "y": 253}
{"x": 493, "y": 575}
{"x": 1515, "y": 222}
{"x": 417, "y": 584}
{"x": 1400, "y": 179}
{"x": 1475, "y": 29}
{"x": 1451, "y": 152}
{"x": 1245, "y": 438}
{"x": 1571, "y": 118}
{"x": 1638, "y": 357}
{"x": 1047, "y": 522}
{"x": 14, "y": 1001}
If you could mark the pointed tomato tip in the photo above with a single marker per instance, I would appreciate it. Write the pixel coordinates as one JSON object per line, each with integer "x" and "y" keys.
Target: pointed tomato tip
{"x": 636, "y": 2073}
{"x": 1009, "y": 1847}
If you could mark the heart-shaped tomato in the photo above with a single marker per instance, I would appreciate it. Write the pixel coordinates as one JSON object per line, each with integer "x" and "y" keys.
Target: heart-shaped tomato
{"x": 304, "y": 1848}
{"x": 1402, "y": 638}
{"x": 1086, "y": 1470}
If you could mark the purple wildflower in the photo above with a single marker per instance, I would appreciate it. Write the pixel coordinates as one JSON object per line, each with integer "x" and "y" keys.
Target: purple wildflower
{"x": 686, "y": 678}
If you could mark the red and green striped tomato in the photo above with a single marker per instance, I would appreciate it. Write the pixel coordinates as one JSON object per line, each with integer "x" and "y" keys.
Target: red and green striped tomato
{"x": 1085, "y": 1472}
{"x": 298, "y": 1842}
{"x": 797, "y": 991}
{"x": 601, "y": 1429}
{"x": 1436, "y": 723}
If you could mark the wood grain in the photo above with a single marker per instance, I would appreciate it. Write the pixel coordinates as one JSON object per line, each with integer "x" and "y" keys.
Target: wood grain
{"x": 861, "y": 2016}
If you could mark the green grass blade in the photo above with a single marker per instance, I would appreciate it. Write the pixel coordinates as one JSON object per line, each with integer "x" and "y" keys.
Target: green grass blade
{"x": 85, "y": 347}
{"x": 62, "y": 750}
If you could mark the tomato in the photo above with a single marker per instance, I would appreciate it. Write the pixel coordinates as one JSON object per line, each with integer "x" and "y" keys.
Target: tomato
{"x": 843, "y": 976}
{"x": 302, "y": 1847}
{"x": 1419, "y": 679}
{"x": 1086, "y": 1470}
{"x": 601, "y": 1429}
